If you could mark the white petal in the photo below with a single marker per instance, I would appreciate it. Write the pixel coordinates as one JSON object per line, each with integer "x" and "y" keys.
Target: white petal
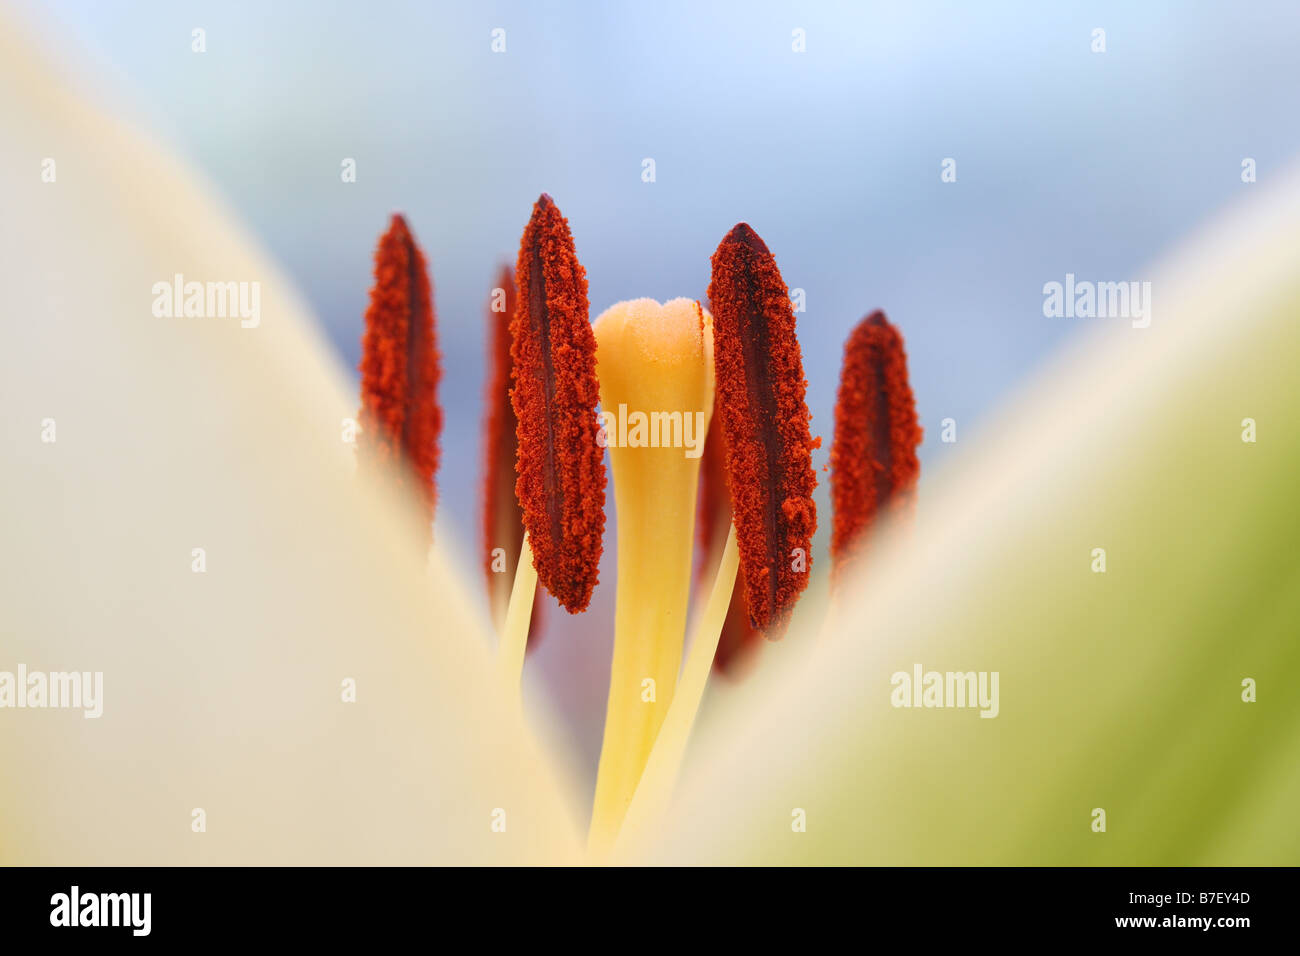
{"x": 1119, "y": 691}
{"x": 222, "y": 689}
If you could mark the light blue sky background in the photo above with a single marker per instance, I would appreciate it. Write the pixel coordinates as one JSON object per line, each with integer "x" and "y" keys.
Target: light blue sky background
{"x": 1068, "y": 161}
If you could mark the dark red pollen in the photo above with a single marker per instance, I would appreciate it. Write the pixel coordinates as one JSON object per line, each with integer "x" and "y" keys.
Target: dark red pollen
{"x": 561, "y": 469}
{"x": 401, "y": 420}
{"x": 761, "y": 387}
{"x": 873, "y": 459}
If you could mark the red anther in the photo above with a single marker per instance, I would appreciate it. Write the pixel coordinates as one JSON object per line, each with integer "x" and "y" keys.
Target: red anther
{"x": 873, "y": 457}
{"x": 561, "y": 483}
{"x": 400, "y": 417}
{"x": 760, "y": 386}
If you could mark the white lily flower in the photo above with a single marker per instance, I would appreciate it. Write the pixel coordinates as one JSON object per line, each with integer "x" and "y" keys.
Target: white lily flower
{"x": 285, "y": 681}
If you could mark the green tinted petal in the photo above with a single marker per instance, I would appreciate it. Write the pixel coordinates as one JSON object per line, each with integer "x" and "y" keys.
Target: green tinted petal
{"x": 1119, "y": 690}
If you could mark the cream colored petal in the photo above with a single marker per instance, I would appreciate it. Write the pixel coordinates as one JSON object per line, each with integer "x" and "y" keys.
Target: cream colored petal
{"x": 1119, "y": 691}
{"x": 222, "y": 689}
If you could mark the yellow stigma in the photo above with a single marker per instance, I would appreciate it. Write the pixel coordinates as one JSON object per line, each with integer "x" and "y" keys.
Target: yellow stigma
{"x": 655, "y": 365}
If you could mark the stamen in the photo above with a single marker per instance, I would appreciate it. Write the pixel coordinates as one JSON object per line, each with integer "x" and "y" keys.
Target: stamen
{"x": 400, "y": 417}
{"x": 561, "y": 484}
{"x": 715, "y": 499}
{"x": 503, "y": 528}
{"x": 765, "y": 419}
{"x": 738, "y": 639}
{"x": 873, "y": 457}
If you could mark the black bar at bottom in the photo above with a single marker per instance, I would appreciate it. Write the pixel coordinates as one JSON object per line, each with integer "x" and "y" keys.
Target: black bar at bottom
{"x": 217, "y": 904}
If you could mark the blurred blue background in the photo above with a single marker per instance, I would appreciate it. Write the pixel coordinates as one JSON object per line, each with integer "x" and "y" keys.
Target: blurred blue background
{"x": 1067, "y": 160}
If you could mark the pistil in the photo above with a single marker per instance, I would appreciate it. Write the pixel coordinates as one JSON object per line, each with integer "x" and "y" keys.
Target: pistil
{"x": 657, "y": 360}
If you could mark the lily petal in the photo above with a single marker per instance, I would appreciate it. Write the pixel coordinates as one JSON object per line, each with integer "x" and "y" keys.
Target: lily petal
{"x": 222, "y": 690}
{"x": 1119, "y": 690}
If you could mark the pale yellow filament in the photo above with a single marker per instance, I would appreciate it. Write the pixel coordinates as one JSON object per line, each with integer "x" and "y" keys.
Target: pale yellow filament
{"x": 514, "y": 637}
